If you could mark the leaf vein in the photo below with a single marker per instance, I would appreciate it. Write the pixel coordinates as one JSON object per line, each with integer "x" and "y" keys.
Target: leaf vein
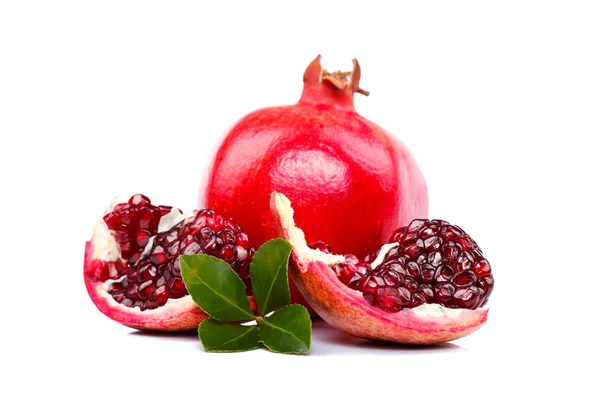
{"x": 268, "y": 297}
{"x": 283, "y": 330}
{"x": 245, "y": 312}
{"x": 235, "y": 338}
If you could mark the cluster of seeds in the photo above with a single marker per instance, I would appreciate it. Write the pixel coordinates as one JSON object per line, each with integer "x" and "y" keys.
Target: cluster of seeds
{"x": 148, "y": 273}
{"x": 434, "y": 262}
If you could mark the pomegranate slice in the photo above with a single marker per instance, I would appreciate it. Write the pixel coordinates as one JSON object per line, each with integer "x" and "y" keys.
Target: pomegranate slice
{"x": 131, "y": 265}
{"x": 347, "y": 309}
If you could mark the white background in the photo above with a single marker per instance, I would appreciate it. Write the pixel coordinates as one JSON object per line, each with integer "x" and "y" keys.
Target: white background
{"x": 498, "y": 101}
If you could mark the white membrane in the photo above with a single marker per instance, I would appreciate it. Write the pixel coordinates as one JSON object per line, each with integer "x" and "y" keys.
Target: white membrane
{"x": 385, "y": 249}
{"x": 436, "y": 310}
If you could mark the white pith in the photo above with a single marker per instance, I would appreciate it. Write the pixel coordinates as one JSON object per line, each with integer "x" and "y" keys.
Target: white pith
{"x": 297, "y": 238}
{"x": 306, "y": 254}
{"x": 383, "y": 252}
{"x": 171, "y": 219}
{"x": 106, "y": 248}
{"x": 105, "y": 243}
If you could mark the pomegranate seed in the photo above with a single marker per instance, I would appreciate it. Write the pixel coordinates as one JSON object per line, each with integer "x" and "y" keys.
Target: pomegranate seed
{"x": 427, "y": 273}
{"x": 242, "y": 240}
{"x": 127, "y": 302}
{"x": 444, "y": 273}
{"x": 159, "y": 297}
{"x": 142, "y": 238}
{"x": 398, "y": 234}
{"x": 345, "y": 272}
{"x": 417, "y": 300}
{"x": 129, "y": 215}
{"x": 227, "y": 236}
{"x": 467, "y": 297}
{"x": 139, "y": 200}
{"x": 149, "y": 218}
{"x": 120, "y": 207}
{"x": 192, "y": 248}
{"x": 362, "y": 268}
{"x": 215, "y": 222}
{"x": 398, "y": 266}
{"x": 412, "y": 248}
{"x": 464, "y": 278}
{"x": 482, "y": 269}
{"x": 116, "y": 288}
{"x": 413, "y": 269}
{"x": 390, "y": 299}
{"x": 369, "y": 285}
{"x": 147, "y": 272}
{"x": 486, "y": 283}
{"x": 450, "y": 252}
{"x": 451, "y": 232}
{"x": 391, "y": 278}
{"x": 159, "y": 257}
{"x": 433, "y": 243}
{"x": 131, "y": 291}
{"x": 164, "y": 210}
{"x": 112, "y": 220}
{"x": 465, "y": 261}
{"x": 428, "y": 232}
{"x": 177, "y": 286}
{"x": 321, "y": 246}
{"x": 145, "y": 290}
{"x": 230, "y": 224}
{"x": 127, "y": 248}
{"x": 134, "y": 258}
{"x": 228, "y": 253}
{"x": 443, "y": 292}
{"x": 427, "y": 293}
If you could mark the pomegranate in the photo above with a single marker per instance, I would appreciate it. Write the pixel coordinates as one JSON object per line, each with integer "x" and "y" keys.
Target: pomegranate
{"x": 427, "y": 286}
{"x": 131, "y": 265}
{"x": 352, "y": 183}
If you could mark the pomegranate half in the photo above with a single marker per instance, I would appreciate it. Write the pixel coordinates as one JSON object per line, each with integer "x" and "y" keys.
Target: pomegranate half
{"x": 131, "y": 264}
{"x": 361, "y": 313}
{"x": 352, "y": 183}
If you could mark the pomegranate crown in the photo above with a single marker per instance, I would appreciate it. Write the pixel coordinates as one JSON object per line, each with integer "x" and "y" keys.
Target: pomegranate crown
{"x": 336, "y": 88}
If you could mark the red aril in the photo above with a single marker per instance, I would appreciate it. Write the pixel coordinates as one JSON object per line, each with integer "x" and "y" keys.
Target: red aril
{"x": 131, "y": 265}
{"x": 351, "y": 182}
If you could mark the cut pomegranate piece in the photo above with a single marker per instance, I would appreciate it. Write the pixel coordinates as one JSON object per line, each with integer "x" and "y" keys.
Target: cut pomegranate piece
{"x": 131, "y": 266}
{"x": 397, "y": 302}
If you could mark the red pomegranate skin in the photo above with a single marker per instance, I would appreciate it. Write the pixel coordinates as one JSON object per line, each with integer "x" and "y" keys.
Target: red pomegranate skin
{"x": 352, "y": 183}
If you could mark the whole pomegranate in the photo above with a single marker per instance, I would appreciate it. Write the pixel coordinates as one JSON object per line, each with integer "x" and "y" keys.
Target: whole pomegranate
{"x": 131, "y": 264}
{"x": 351, "y": 182}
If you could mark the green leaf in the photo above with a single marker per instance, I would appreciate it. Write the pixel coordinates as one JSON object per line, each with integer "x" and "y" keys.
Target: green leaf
{"x": 287, "y": 330}
{"x": 269, "y": 275}
{"x": 224, "y": 337}
{"x": 215, "y": 287}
